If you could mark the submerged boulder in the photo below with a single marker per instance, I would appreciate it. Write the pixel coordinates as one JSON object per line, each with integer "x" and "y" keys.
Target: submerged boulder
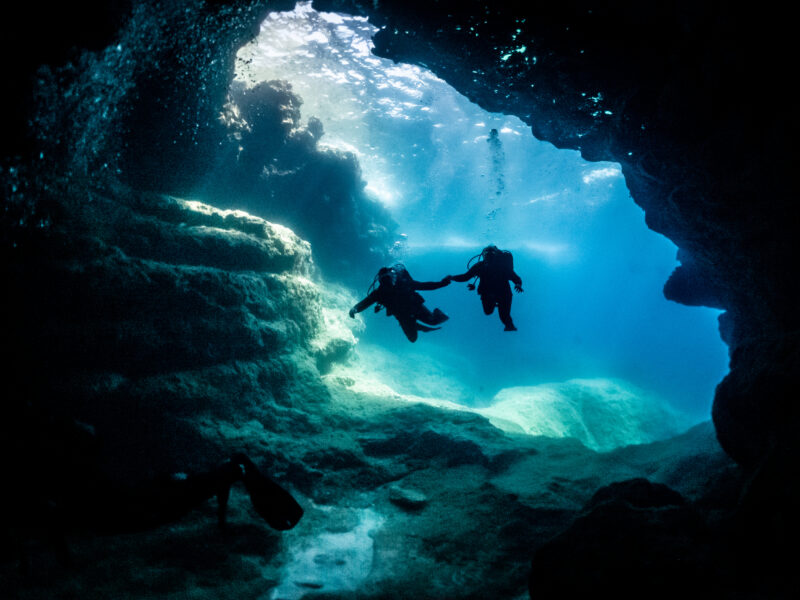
{"x": 408, "y": 499}
{"x": 633, "y": 539}
{"x": 602, "y": 414}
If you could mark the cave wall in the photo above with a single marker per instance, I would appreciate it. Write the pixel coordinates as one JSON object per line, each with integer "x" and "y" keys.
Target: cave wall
{"x": 159, "y": 322}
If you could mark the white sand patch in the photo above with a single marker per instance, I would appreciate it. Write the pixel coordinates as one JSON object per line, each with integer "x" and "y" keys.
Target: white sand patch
{"x": 329, "y": 562}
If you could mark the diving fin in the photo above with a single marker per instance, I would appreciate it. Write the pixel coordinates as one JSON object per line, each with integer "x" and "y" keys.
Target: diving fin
{"x": 439, "y": 316}
{"x": 275, "y": 505}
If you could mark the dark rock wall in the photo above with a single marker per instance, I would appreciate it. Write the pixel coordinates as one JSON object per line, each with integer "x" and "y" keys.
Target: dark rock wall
{"x": 660, "y": 548}
{"x": 145, "y": 104}
{"x": 50, "y": 34}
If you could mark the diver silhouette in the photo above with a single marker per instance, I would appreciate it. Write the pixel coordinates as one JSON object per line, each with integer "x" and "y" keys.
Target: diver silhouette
{"x": 60, "y": 487}
{"x": 396, "y": 290}
{"x": 494, "y": 268}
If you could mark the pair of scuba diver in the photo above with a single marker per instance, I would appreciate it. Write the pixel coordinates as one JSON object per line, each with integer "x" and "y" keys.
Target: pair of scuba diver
{"x": 397, "y": 291}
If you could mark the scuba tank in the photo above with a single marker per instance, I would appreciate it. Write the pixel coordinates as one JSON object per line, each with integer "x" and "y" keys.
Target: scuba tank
{"x": 503, "y": 259}
{"x": 492, "y": 256}
{"x": 399, "y": 276}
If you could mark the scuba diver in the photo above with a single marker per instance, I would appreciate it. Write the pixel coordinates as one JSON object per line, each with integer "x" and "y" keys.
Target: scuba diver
{"x": 396, "y": 290}
{"x": 494, "y": 268}
{"x": 60, "y": 486}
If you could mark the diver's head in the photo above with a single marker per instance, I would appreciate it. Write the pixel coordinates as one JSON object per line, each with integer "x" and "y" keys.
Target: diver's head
{"x": 386, "y": 276}
{"x": 490, "y": 250}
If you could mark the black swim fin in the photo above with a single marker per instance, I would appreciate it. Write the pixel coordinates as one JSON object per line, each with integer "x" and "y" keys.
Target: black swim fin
{"x": 439, "y": 316}
{"x": 275, "y": 505}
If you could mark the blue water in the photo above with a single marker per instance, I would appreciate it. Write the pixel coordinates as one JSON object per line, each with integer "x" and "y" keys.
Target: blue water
{"x": 456, "y": 178}
{"x": 584, "y": 321}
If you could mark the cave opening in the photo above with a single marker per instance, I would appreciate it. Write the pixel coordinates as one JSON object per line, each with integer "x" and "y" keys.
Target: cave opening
{"x": 455, "y": 178}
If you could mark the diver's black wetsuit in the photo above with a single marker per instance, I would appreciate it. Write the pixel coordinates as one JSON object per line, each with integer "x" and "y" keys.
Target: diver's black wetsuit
{"x": 493, "y": 288}
{"x": 406, "y": 305}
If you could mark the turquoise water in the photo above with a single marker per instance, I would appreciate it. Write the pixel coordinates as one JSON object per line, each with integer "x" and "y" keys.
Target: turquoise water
{"x": 456, "y": 178}
{"x": 585, "y": 321}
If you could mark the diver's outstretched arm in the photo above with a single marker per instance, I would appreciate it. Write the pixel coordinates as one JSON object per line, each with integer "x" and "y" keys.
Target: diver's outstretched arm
{"x": 517, "y": 281}
{"x": 365, "y": 303}
{"x": 473, "y": 272}
{"x": 430, "y": 285}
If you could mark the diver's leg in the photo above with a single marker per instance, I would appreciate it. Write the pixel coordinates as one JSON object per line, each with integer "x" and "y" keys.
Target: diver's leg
{"x": 275, "y": 505}
{"x": 504, "y": 312}
{"x": 488, "y": 303}
{"x": 431, "y": 318}
{"x": 439, "y": 316}
{"x": 409, "y": 326}
{"x": 167, "y": 499}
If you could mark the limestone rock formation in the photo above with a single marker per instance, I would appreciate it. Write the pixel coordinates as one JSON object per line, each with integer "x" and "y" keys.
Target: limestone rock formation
{"x": 602, "y": 414}
{"x": 407, "y": 498}
{"x": 165, "y": 309}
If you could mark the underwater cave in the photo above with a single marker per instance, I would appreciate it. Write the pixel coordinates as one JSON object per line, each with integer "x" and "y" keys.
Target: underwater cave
{"x": 594, "y": 271}
{"x": 200, "y": 191}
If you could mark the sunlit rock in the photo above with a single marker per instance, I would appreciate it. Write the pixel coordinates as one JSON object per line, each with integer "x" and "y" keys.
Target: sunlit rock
{"x": 272, "y": 164}
{"x": 408, "y": 499}
{"x": 603, "y": 414}
{"x": 336, "y": 336}
{"x": 167, "y": 310}
{"x": 336, "y": 560}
